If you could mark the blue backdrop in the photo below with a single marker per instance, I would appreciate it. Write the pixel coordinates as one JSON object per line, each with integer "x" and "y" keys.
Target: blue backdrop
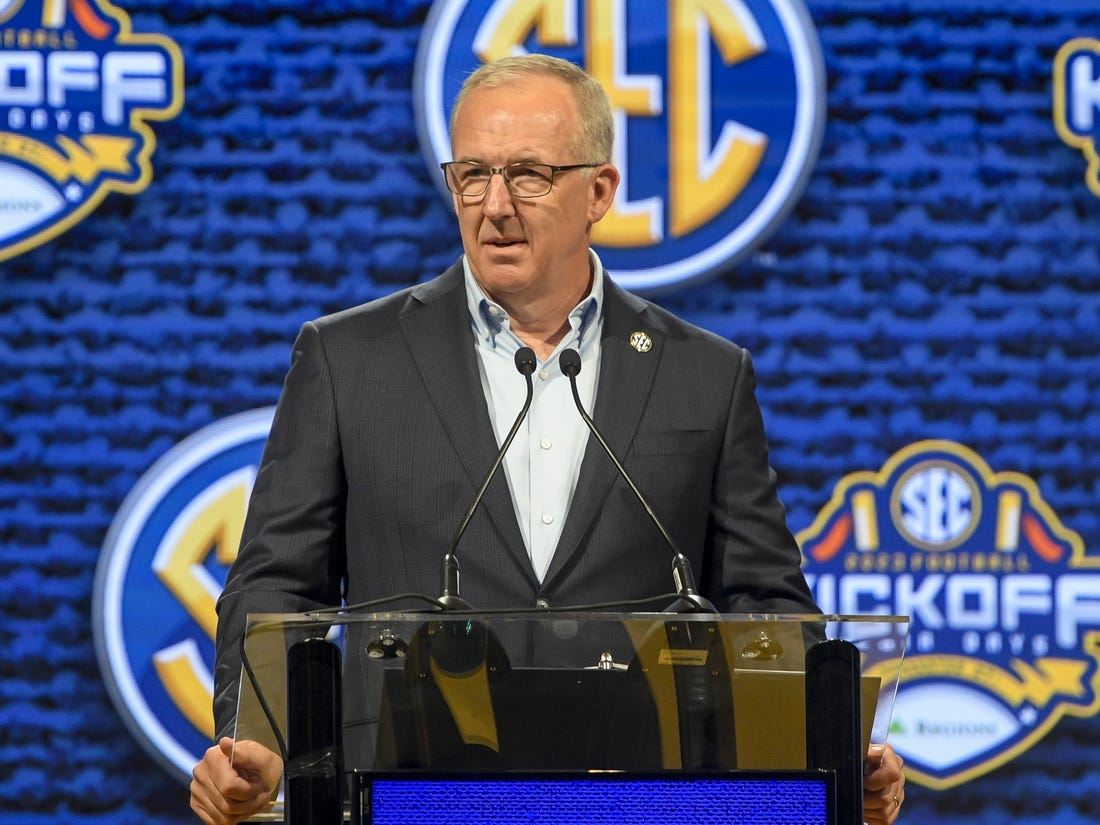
{"x": 939, "y": 278}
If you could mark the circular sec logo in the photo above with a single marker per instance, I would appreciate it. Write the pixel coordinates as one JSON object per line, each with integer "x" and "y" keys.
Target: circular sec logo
{"x": 163, "y": 564}
{"x": 719, "y": 109}
{"x": 936, "y": 505}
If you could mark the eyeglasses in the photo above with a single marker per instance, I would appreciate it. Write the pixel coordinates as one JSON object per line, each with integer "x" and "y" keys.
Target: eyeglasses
{"x": 524, "y": 180}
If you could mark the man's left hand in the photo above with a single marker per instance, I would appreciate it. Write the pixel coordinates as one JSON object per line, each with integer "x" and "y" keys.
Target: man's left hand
{"x": 883, "y": 785}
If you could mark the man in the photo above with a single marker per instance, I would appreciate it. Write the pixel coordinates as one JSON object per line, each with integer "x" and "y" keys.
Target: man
{"x": 392, "y": 412}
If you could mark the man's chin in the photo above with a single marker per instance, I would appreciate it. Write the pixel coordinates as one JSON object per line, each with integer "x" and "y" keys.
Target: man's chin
{"x": 503, "y": 277}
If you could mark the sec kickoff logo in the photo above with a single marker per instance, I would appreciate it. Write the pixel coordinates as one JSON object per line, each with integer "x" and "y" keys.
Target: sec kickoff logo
{"x": 1077, "y": 102}
{"x": 719, "y": 109}
{"x": 1004, "y": 604}
{"x": 162, "y": 567}
{"x": 77, "y": 88}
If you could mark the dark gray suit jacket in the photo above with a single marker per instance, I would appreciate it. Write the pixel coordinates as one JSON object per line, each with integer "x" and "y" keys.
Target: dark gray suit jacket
{"x": 382, "y": 435}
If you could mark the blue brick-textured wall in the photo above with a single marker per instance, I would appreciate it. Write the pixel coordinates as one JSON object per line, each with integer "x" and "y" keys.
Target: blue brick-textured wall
{"x": 940, "y": 278}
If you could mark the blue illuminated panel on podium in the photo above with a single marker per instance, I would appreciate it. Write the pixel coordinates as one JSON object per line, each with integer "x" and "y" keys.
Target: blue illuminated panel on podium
{"x": 598, "y": 799}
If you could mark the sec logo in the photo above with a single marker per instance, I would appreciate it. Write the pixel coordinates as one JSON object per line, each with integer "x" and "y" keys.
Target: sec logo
{"x": 163, "y": 564}
{"x": 936, "y": 505}
{"x": 719, "y": 108}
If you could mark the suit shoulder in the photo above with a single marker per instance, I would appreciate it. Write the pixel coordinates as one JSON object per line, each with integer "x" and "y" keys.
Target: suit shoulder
{"x": 370, "y": 319}
{"x": 380, "y": 317}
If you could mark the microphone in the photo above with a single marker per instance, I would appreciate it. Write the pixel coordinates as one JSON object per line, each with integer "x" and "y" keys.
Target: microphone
{"x": 525, "y": 363}
{"x": 690, "y": 600}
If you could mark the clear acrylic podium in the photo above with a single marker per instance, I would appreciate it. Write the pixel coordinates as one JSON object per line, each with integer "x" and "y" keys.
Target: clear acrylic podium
{"x": 685, "y": 712}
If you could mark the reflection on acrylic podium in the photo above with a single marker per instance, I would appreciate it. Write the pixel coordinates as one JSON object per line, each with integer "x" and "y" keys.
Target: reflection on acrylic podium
{"x": 544, "y": 717}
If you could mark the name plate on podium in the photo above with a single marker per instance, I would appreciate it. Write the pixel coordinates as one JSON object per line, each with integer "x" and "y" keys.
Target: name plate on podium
{"x": 566, "y": 798}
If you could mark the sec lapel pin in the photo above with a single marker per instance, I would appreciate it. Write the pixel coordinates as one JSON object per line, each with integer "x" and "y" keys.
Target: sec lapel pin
{"x": 641, "y": 342}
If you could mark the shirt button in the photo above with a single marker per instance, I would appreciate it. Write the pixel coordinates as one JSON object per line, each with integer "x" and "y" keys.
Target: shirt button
{"x": 546, "y": 443}
{"x": 544, "y": 374}
{"x": 543, "y": 603}
{"x": 547, "y": 518}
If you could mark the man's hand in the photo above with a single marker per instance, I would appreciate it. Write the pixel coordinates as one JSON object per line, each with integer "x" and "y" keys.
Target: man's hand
{"x": 883, "y": 785}
{"x": 229, "y": 787}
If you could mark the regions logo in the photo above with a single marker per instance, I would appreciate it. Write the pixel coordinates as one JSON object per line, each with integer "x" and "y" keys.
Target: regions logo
{"x": 163, "y": 564}
{"x": 1077, "y": 102}
{"x": 1004, "y": 604}
{"x": 719, "y": 108}
{"x": 77, "y": 89}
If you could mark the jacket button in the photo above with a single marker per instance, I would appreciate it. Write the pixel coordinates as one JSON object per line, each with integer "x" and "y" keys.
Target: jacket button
{"x": 543, "y": 603}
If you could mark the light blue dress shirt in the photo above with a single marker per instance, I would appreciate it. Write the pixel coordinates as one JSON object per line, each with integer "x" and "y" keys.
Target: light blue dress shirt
{"x": 544, "y": 460}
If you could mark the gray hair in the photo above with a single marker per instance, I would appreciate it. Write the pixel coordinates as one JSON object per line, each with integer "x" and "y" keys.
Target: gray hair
{"x": 597, "y": 133}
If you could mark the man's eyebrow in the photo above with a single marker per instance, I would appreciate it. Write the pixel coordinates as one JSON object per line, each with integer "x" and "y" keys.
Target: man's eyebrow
{"x": 509, "y": 162}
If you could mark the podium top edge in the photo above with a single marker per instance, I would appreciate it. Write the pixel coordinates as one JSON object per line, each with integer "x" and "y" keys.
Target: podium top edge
{"x": 344, "y": 616}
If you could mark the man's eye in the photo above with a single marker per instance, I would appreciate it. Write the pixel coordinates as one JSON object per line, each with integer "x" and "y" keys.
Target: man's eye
{"x": 475, "y": 172}
{"x": 525, "y": 172}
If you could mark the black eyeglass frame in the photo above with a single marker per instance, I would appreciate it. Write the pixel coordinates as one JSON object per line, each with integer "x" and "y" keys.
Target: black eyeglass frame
{"x": 500, "y": 170}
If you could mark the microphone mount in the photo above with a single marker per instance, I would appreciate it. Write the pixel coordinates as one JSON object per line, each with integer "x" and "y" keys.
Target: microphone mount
{"x": 526, "y": 363}
{"x": 688, "y": 597}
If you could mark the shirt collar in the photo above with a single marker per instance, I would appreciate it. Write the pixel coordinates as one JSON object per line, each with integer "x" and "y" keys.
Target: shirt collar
{"x": 490, "y": 320}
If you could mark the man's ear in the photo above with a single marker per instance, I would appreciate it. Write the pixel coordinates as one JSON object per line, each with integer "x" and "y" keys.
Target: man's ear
{"x": 603, "y": 184}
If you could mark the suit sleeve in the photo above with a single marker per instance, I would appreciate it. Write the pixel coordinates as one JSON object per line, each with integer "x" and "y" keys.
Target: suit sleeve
{"x": 755, "y": 563}
{"x": 292, "y": 552}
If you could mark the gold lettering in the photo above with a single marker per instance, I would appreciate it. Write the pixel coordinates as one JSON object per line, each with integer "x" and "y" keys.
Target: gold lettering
{"x": 705, "y": 178}
{"x": 216, "y": 528}
{"x": 179, "y": 668}
{"x": 627, "y": 223}
{"x": 212, "y": 524}
{"x": 517, "y": 19}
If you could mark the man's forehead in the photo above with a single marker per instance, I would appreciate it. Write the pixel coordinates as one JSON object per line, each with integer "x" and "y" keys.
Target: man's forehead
{"x": 513, "y": 120}
{"x": 519, "y": 93}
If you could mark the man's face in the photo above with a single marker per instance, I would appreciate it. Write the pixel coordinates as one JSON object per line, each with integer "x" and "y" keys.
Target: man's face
{"x": 528, "y": 249}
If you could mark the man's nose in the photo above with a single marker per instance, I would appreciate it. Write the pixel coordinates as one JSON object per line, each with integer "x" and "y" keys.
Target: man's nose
{"x": 498, "y": 198}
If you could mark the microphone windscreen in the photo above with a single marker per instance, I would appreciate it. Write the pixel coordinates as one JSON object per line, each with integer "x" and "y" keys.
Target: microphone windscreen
{"x": 525, "y": 360}
{"x": 570, "y": 362}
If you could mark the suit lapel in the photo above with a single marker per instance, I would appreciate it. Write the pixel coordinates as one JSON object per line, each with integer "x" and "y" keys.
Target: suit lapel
{"x": 435, "y": 319}
{"x": 626, "y": 377}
